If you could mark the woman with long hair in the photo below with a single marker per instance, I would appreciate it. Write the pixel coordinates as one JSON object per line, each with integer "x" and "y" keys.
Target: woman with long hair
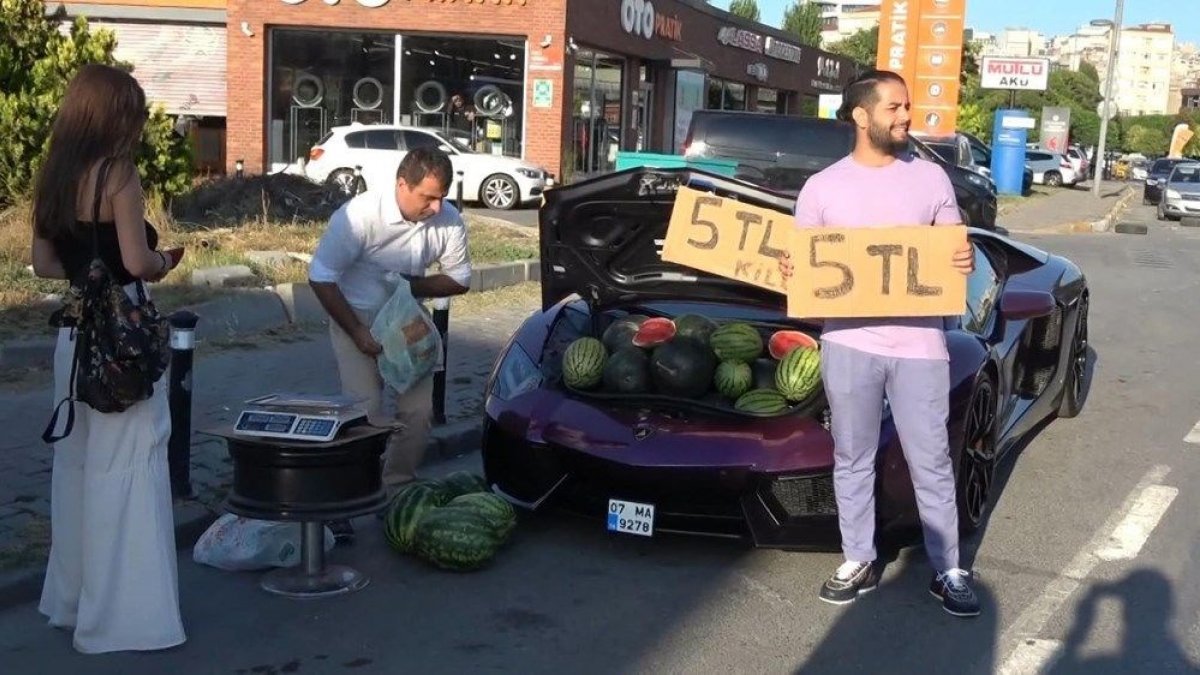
{"x": 112, "y": 576}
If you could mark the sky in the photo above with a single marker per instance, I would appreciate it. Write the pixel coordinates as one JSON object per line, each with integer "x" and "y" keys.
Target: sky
{"x": 993, "y": 16}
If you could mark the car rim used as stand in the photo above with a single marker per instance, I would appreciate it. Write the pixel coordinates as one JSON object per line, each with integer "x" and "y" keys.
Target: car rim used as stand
{"x": 499, "y": 193}
{"x": 979, "y": 452}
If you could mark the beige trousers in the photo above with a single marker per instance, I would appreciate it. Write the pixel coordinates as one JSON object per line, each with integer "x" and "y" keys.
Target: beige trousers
{"x": 412, "y": 416}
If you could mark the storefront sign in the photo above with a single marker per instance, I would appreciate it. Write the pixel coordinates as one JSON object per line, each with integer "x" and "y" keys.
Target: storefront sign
{"x": 884, "y": 271}
{"x": 758, "y": 71}
{"x": 922, "y": 41}
{"x": 732, "y": 36}
{"x": 1056, "y": 128}
{"x": 543, "y": 93}
{"x": 364, "y": 3}
{"x": 1003, "y": 72}
{"x": 638, "y": 17}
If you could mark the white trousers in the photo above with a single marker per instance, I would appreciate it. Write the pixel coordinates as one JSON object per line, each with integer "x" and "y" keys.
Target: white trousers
{"x": 112, "y": 573}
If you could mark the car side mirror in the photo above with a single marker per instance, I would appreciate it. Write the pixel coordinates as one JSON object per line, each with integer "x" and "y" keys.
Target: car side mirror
{"x": 1024, "y": 305}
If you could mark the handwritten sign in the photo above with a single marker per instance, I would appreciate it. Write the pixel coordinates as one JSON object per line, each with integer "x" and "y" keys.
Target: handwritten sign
{"x": 728, "y": 238}
{"x": 876, "y": 272}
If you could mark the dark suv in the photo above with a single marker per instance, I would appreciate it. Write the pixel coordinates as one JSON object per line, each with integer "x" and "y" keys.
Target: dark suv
{"x": 1156, "y": 179}
{"x": 780, "y": 152}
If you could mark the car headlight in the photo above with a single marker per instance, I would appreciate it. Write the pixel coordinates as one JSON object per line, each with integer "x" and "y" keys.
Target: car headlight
{"x": 529, "y": 173}
{"x": 980, "y": 181}
{"x": 1172, "y": 194}
{"x": 517, "y": 374}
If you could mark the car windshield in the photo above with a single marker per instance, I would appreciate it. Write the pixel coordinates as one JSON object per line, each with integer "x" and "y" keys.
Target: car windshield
{"x": 1186, "y": 174}
{"x": 1163, "y": 166}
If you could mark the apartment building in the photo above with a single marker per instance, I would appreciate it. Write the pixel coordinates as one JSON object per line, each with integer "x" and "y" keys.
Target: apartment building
{"x": 1014, "y": 42}
{"x": 841, "y": 24}
{"x": 1143, "y": 80}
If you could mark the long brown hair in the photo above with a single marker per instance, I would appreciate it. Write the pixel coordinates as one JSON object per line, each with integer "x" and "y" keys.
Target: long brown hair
{"x": 102, "y": 115}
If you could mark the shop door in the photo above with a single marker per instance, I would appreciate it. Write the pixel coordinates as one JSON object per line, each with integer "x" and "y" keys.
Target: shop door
{"x": 644, "y": 116}
{"x": 596, "y": 114}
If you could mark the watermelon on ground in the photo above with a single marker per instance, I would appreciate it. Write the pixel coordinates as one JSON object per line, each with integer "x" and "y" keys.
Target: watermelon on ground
{"x": 409, "y": 506}
{"x": 583, "y": 363}
{"x": 459, "y": 539}
{"x": 682, "y": 368}
{"x": 463, "y": 482}
{"x": 493, "y": 507}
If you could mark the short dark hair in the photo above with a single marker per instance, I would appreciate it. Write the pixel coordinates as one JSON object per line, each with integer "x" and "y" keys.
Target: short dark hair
{"x": 863, "y": 91}
{"x": 419, "y": 163}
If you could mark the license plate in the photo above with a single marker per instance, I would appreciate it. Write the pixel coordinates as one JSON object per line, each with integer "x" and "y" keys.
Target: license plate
{"x": 631, "y": 517}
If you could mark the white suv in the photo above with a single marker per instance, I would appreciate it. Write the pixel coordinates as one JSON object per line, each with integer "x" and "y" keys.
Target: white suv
{"x": 496, "y": 181}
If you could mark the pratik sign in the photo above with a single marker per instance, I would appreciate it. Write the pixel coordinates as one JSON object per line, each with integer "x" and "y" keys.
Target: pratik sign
{"x": 1004, "y": 72}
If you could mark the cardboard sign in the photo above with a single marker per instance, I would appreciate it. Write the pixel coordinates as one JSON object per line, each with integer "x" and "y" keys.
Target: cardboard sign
{"x": 728, "y": 238}
{"x": 876, "y": 272}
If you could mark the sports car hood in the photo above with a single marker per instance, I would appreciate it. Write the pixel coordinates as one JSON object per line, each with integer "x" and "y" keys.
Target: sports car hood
{"x": 602, "y": 238}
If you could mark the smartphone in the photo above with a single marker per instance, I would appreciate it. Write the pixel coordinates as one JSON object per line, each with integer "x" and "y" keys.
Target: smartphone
{"x": 176, "y": 255}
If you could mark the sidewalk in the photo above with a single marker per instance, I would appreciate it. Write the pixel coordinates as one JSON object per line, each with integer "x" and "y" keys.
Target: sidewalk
{"x": 1072, "y": 209}
{"x": 223, "y": 380}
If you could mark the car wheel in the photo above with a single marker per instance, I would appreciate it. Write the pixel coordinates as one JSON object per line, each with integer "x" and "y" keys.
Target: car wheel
{"x": 1076, "y": 382}
{"x": 499, "y": 192}
{"x": 343, "y": 180}
{"x": 977, "y": 458}
{"x": 1053, "y": 179}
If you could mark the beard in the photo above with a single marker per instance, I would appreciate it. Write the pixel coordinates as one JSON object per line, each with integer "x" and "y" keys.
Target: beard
{"x": 882, "y": 139}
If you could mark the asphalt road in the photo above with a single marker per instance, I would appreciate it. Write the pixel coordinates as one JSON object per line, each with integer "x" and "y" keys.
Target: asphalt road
{"x": 1085, "y": 565}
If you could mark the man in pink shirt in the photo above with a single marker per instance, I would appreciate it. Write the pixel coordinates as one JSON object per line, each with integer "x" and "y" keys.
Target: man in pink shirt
{"x": 880, "y": 184}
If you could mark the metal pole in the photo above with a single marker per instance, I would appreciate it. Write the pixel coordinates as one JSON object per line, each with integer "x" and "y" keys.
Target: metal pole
{"x": 441, "y": 319}
{"x": 312, "y": 547}
{"x": 1115, "y": 36}
{"x": 179, "y": 447}
{"x": 459, "y": 197}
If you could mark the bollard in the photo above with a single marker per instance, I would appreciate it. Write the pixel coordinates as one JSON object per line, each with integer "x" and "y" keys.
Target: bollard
{"x": 239, "y": 168}
{"x": 460, "y": 191}
{"x": 441, "y": 319}
{"x": 179, "y": 448}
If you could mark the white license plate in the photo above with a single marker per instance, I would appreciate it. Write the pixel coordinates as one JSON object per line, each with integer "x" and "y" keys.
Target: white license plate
{"x": 631, "y": 517}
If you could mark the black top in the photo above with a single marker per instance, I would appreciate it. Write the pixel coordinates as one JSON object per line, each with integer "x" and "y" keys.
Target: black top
{"x": 74, "y": 250}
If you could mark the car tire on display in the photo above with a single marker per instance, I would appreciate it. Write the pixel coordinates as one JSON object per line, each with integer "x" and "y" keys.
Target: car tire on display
{"x": 977, "y": 457}
{"x": 499, "y": 192}
{"x": 422, "y": 97}
{"x": 1075, "y": 387}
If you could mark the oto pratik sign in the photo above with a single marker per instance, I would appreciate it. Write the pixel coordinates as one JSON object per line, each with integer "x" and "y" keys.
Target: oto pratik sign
{"x": 922, "y": 40}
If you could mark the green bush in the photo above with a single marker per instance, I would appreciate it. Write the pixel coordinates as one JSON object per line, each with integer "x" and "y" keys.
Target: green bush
{"x": 36, "y": 63}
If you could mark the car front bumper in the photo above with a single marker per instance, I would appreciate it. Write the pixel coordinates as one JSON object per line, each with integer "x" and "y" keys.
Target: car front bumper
{"x": 1180, "y": 207}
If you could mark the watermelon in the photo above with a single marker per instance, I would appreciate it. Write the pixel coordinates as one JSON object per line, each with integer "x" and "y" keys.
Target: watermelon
{"x": 682, "y": 368}
{"x": 799, "y": 374}
{"x": 733, "y": 378}
{"x": 620, "y": 333}
{"x": 654, "y": 332}
{"x": 583, "y": 363}
{"x": 498, "y": 511}
{"x": 409, "y": 506}
{"x": 761, "y": 401}
{"x": 463, "y": 482}
{"x": 736, "y": 342}
{"x": 627, "y": 372}
{"x": 764, "y": 373}
{"x": 460, "y": 539}
{"x": 694, "y": 327}
{"x": 783, "y": 342}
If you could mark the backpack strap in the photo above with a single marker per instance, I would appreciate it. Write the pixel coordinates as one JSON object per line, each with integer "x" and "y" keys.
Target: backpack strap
{"x": 48, "y": 436}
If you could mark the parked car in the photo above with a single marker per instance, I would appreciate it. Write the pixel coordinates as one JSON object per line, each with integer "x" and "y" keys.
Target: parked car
{"x": 982, "y": 154}
{"x": 498, "y": 182}
{"x": 1018, "y": 356}
{"x": 1160, "y": 170}
{"x": 1079, "y": 160}
{"x": 1051, "y": 168}
{"x": 780, "y": 152}
{"x": 1181, "y": 192}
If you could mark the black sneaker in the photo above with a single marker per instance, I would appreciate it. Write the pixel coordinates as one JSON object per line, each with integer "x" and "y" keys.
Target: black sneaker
{"x": 851, "y": 580}
{"x": 343, "y": 531}
{"x": 952, "y": 588}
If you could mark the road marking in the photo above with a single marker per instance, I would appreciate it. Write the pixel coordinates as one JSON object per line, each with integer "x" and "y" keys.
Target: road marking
{"x": 1134, "y": 520}
{"x": 1031, "y": 656}
{"x": 1193, "y": 435}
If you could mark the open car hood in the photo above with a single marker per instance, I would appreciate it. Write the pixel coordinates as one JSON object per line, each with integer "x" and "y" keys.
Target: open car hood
{"x": 602, "y": 238}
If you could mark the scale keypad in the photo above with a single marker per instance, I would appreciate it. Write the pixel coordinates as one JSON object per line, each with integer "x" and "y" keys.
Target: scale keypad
{"x": 314, "y": 427}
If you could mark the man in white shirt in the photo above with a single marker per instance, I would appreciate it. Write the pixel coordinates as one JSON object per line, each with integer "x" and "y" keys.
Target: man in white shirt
{"x": 370, "y": 242}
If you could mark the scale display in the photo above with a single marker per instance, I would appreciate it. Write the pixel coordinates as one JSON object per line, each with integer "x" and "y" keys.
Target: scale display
{"x": 305, "y": 418}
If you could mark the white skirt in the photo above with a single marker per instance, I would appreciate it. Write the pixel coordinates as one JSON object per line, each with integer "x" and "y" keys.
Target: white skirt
{"x": 112, "y": 573}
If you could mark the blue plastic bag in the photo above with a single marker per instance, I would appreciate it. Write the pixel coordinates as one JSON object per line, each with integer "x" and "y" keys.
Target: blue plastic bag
{"x": 412, "y": 346}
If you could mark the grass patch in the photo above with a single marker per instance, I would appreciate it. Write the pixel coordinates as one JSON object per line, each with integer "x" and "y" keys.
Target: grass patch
{"x": 30, "y": 547}
{"x": 1009, "y": 203}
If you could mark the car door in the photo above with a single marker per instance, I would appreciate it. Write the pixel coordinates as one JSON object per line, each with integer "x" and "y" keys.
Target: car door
{"x": 379, "y": 156}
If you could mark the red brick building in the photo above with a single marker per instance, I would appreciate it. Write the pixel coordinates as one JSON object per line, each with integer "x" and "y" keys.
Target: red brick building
{"x": 564, "y": 83}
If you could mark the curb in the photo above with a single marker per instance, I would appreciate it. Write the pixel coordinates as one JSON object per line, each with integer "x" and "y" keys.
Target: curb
{"x": 251, "y": 311}
{"x": 192, "y": 518}
{"x": 1105, "y": 224}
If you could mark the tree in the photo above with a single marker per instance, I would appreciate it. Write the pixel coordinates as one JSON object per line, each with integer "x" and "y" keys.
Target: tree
{"x": 1149, "y": 141}
{"x": 861, "y": 46}
{"x": 747, "y": 9}
{"x": 36, "y": 63}
{"x": 803, "y": 21}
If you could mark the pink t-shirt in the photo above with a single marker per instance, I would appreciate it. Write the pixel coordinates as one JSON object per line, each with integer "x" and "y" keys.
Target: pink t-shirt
{"x": 909, "y": 191}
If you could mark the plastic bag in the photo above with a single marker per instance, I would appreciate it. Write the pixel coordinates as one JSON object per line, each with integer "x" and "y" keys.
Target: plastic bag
{"x": 412, "y": 346}
{"x": 236, "y": 544}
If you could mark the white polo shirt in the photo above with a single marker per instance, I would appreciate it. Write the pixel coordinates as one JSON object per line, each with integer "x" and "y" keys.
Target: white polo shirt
{"x": 369, "y": 243}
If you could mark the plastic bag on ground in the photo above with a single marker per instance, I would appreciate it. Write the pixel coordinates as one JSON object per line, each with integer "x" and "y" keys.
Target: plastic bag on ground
{"x": 235, "y": 544}
{"x": 412, "y": 346}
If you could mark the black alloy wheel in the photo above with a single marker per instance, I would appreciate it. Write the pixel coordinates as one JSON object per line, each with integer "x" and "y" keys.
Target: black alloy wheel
{"x": 977, "y": 461}
{"x": 1076, "y": 384}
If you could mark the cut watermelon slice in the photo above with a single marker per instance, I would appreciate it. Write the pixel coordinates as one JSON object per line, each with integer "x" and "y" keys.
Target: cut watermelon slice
{"x": 654, "y": 332}
{"x": 784, "y": 341}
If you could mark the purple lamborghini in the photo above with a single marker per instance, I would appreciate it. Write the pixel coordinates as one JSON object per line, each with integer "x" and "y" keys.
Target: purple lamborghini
{"x": 649, "y": 464}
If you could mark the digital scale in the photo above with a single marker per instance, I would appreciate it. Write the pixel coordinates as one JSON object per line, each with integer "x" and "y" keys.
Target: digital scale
{"x": 299, "y": 417}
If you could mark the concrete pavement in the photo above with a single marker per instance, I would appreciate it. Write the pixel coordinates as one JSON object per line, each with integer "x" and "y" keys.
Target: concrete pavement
{"x": 1068, "y": 209}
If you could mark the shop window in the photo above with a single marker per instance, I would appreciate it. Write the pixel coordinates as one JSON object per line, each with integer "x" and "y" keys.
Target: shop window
{"x": 469, "y": 88}
{"x": 595, "y": 114}
{"x": 768, "y": 100}
{"x": 725, "y": 95}
{"x": 323, "y": 79}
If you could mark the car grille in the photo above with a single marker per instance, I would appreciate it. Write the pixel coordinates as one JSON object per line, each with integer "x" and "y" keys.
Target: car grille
{"x": 804, "y": 496}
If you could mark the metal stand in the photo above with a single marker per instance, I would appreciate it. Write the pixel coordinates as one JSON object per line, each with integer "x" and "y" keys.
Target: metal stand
{"x": 294, "y": 119}
{"x": 179, "y": 446}
{"x": 312, "y": 578}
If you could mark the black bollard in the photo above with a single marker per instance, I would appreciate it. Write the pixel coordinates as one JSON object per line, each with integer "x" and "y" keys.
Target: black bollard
{"x": 441, "y": 319}
{"x": 239, "y": 168}
{"x": 179, "y": 448}
{"x": 459, "y": 196}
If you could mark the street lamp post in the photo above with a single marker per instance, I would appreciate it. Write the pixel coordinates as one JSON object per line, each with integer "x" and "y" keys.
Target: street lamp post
{"x": 1114, "y": 37}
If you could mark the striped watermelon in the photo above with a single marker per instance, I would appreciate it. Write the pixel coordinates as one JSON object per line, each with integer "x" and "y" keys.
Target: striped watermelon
{"x": 583, "y": 363}
{"x": 410, "y": 505}
{"x": 459, "y": 539}
{"x": 733, "y": 378}
{"x": 799, "y": 374}
{"x": 736, "y": 342}
{"x": 462, "y": 483}
{"x": 498, "y": 511}
{"x": 761, "y": 401}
